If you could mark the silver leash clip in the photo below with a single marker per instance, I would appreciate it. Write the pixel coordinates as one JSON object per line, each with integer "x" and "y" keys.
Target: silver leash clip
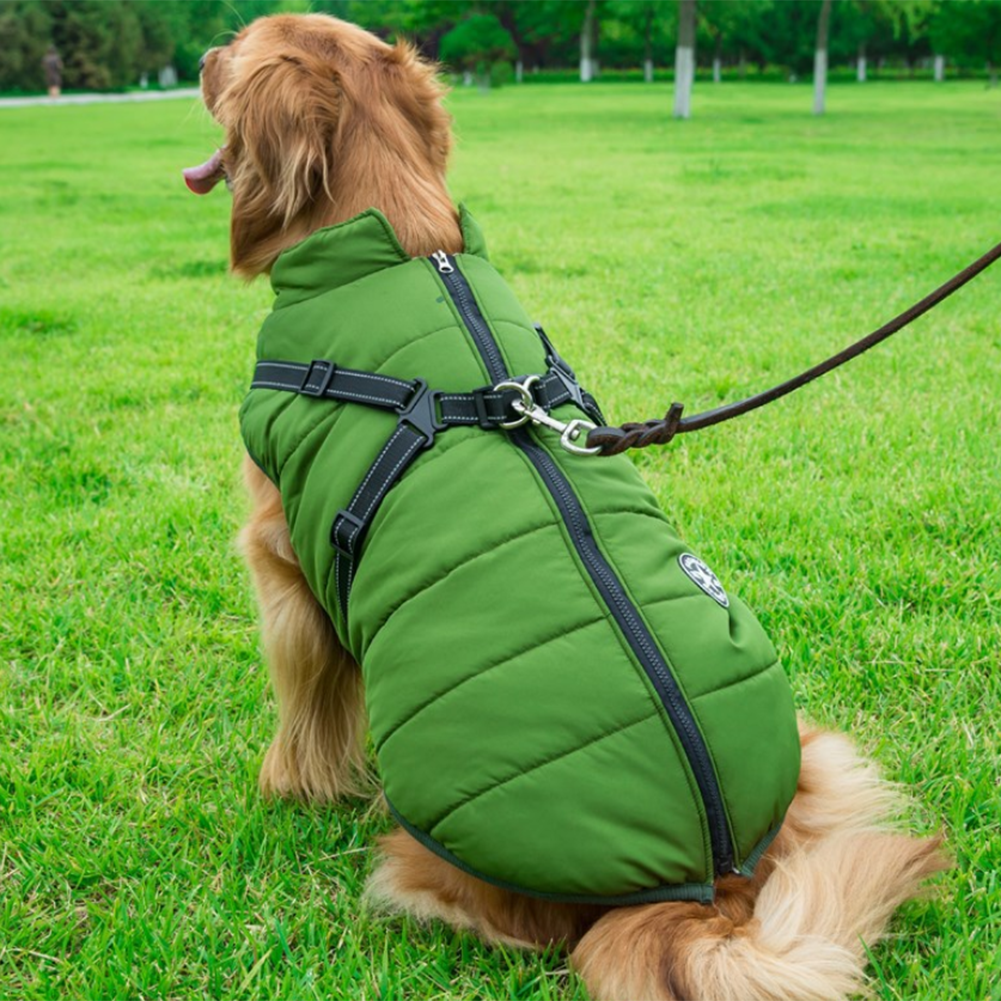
{"x": 528, "y": 410}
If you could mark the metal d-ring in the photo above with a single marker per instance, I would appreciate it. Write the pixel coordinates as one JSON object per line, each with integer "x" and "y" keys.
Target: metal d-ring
{"x": 525, "y": 405}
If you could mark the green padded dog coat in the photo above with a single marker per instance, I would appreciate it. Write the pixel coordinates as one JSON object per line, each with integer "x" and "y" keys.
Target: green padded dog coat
{"x": 563, "y": 699}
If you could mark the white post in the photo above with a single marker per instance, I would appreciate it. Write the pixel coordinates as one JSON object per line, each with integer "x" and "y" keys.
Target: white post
{"x": 939, "y": 68}
{"x": 820, "y": 59}
{"x": 648, "y": 70}
{"x": 684, "y": 60}
{"x": 860, "y": 70}
{"x": 819, "y": 81}
{"x": 586, "y": 41}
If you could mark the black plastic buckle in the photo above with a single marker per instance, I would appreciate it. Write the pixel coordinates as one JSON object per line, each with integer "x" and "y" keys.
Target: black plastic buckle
{"x": 344, "y": 543}
{"x": 421, "y": 412}
{"x": 562, "y": 371}
{"x": 324, "y": 370}
{"x": 570, "y": 383}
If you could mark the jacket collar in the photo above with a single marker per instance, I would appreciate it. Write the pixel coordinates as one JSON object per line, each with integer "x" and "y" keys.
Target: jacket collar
{"x": 341, "y": 254}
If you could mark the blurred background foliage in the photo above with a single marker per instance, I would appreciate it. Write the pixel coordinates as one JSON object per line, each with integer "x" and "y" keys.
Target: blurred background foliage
{"x": 112, "y": 44}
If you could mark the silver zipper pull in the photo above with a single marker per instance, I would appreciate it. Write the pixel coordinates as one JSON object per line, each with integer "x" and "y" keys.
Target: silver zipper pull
{"x": 440, "y": 259}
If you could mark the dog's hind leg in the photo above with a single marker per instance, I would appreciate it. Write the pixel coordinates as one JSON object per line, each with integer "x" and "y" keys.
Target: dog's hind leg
{"x": 413, "y": 879}
{"x": 317, "y": 752}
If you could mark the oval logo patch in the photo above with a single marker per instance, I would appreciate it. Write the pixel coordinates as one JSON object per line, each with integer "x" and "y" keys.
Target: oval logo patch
{"x": 704, "y": 578}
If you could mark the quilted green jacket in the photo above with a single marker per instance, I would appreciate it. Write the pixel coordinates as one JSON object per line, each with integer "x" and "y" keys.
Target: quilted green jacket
{"x": 563, "y": 699}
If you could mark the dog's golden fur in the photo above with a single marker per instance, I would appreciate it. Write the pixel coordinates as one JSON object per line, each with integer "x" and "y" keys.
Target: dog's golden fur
{"x": 322, "y": 121}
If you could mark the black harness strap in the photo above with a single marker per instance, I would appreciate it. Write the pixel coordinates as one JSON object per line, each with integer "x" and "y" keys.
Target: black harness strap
{"x": 422, "y": 414}
{"x": 324, "y": 380}
{"x": 352, "y": 522}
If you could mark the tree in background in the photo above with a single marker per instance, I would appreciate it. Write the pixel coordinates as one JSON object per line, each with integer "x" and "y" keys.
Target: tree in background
{"x": 860, "y": 29}
{"x": 820, "y": 58}
{"x": 100, "y": 42}
{"x": 479, "y": 45}
{"x": 735, "y": 29}
{"x": 25, "y": 31}
{"x": 886, "y": 24}
{"x": 545, "y": 32}
{"x": 108, "y": 44}
{"x": 511, "y": 15}
{"x": 684, "y": 59}
{"x": 970, "y": 30}
{"x": 649, "y": 21}
{"x": 588, "y": 42}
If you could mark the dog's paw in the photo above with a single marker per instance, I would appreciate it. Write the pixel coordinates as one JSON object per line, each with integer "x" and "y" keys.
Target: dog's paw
{"x": 276, "y": 779}
{"x": 288, "y": 773}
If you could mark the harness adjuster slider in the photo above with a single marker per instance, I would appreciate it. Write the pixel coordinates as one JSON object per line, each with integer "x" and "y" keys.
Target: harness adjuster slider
{"x": 317, "y": 379}
{"x": 480, "y": 403}
{"x": 344, "y": 531}
{"x": 421, "y": 412}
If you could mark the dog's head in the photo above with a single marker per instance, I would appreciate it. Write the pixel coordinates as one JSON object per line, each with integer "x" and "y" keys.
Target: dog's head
{"x": 322, "y": 121}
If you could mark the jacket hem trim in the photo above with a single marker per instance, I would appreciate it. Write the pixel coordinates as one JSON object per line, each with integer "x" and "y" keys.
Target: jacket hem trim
{"x": 702, "y": 893}
{"x": 752, "y": 860}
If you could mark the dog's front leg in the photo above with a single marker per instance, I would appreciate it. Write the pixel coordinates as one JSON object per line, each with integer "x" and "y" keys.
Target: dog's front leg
{"x": 317, "y": 752}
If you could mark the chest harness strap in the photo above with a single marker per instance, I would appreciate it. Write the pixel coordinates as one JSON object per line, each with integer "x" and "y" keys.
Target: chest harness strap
{"x": 421, "y": 413}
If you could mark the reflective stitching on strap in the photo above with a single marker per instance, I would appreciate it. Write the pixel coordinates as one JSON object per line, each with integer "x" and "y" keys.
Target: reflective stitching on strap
{"x": 391, "y": 476}
{"x": 393, "y": 438}
{"x": 381, "y": 400}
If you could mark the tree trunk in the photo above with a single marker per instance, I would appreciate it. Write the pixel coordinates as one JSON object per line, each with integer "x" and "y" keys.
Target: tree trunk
{"x": 992, "y": 74}
{"x": 648, "y": 47}
{"x": 939, "y": 68}
{"x": 718, "y": 59}
{"x": 860, "y": 68}
{"x": 524, "y": 50}
{"x": 742, "y": 65}
{"x": 684, "y": 59}
{"x": 587, "y": 44}
{"x": 820, "y": 59}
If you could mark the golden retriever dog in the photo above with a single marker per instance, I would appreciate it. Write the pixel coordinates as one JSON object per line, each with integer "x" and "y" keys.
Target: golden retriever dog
{"x": 323, "y": 121}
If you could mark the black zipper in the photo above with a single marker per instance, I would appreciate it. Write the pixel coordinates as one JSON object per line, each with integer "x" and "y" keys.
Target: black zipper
{"x": 610, "y": 587}
{"x": 462, "y": 296}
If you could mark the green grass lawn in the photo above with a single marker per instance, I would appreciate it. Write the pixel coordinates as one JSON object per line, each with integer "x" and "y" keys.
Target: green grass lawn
{"x": 697, "y": 261}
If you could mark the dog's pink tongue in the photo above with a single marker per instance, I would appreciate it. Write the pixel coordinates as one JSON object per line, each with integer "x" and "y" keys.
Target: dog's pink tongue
{"x": 201, "y": 180}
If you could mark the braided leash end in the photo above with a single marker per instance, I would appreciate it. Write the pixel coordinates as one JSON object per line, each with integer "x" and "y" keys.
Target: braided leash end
{"x": 613, "y": 440}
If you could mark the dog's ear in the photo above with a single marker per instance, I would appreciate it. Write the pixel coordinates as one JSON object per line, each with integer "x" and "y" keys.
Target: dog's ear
{"x": 417, "y": 92}
{"x": 285, "y": 114}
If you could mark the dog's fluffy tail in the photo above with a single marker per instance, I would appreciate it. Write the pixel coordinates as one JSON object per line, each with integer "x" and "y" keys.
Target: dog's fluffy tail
{"x": 816, "y": 913}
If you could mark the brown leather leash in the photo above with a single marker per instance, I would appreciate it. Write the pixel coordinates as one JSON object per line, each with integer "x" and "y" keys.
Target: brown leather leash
{"x": 612, "y": 440}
